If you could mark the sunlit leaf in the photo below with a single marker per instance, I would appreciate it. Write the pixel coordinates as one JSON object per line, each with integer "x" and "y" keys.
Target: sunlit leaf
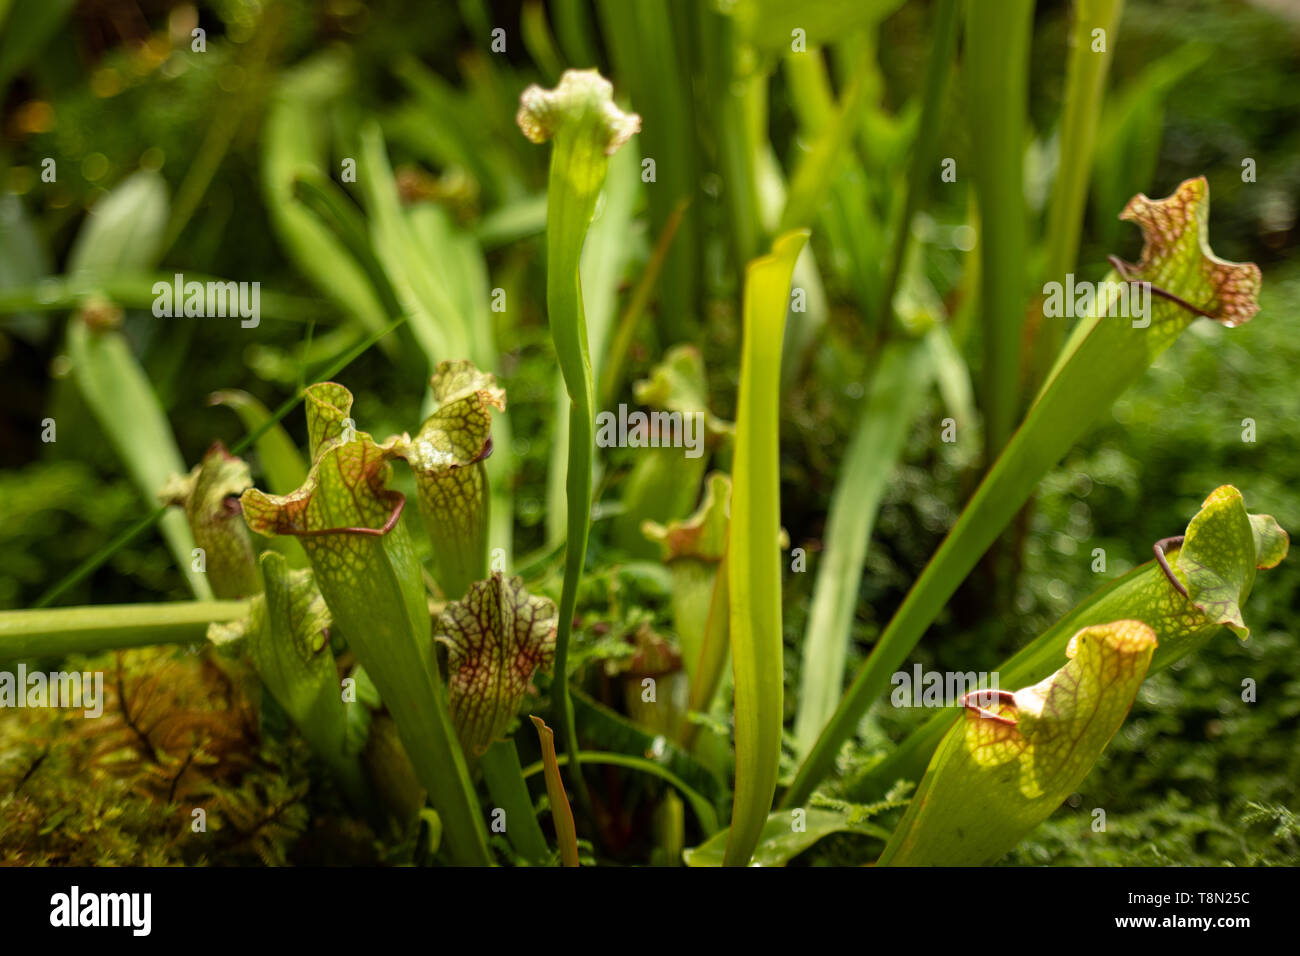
{"x": 1145, "y": 594}
{"x": 1222, "y": 549}
{"x": 1015, "y": 757}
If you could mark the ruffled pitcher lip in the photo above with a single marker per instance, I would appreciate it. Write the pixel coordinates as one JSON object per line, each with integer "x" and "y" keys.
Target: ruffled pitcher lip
{"x": 402, "y": 448}
{"x": 379, "y": 532}
{"x": 978, "y": 701}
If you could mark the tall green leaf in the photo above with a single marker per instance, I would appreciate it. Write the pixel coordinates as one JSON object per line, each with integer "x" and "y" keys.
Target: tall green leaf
{"x": 294, "y": 142}
{"x": 587, "y": 128}
{"x": 1084, "y": 92}
{"x": 123, "y": 232}
{"x": 754, "y": 549}
{"x": 997, "y": 66}
{"x": 898, "y": 386}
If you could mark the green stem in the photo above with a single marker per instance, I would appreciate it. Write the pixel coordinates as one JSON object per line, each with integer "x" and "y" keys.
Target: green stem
{"x": 92, "y": 630}
{"x": 135, "y": 291}
{"x": 505, "y": 781}
{"x": 569, "y": 213}
{"x": 587, "y": 128}
{"x": 703, "y": 809}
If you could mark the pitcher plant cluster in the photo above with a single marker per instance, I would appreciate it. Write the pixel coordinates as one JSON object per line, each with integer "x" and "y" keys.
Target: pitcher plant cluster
{"x": 418, "y": 680}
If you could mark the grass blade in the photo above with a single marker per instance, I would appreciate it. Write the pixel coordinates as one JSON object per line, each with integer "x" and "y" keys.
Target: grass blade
{"x": 703, "y": 810}
{"x": 294, "y": 140}
{"x": 644, "y": 49}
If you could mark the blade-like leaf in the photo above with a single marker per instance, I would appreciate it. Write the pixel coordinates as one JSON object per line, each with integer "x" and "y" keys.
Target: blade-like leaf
{"x": 754, "y": 549}
{"x": 435, "y": 321}
{"x": 505, "y": 780}
{"x": 648, "y": 57}
{"x": 566, "y": 833}
{"x": 996, "y": 67}
{"x": 1085, "y": 90}
{"x": 123, "y": 232}
{"x": 898, "y": 386}
{"x": 294, "y": 140}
